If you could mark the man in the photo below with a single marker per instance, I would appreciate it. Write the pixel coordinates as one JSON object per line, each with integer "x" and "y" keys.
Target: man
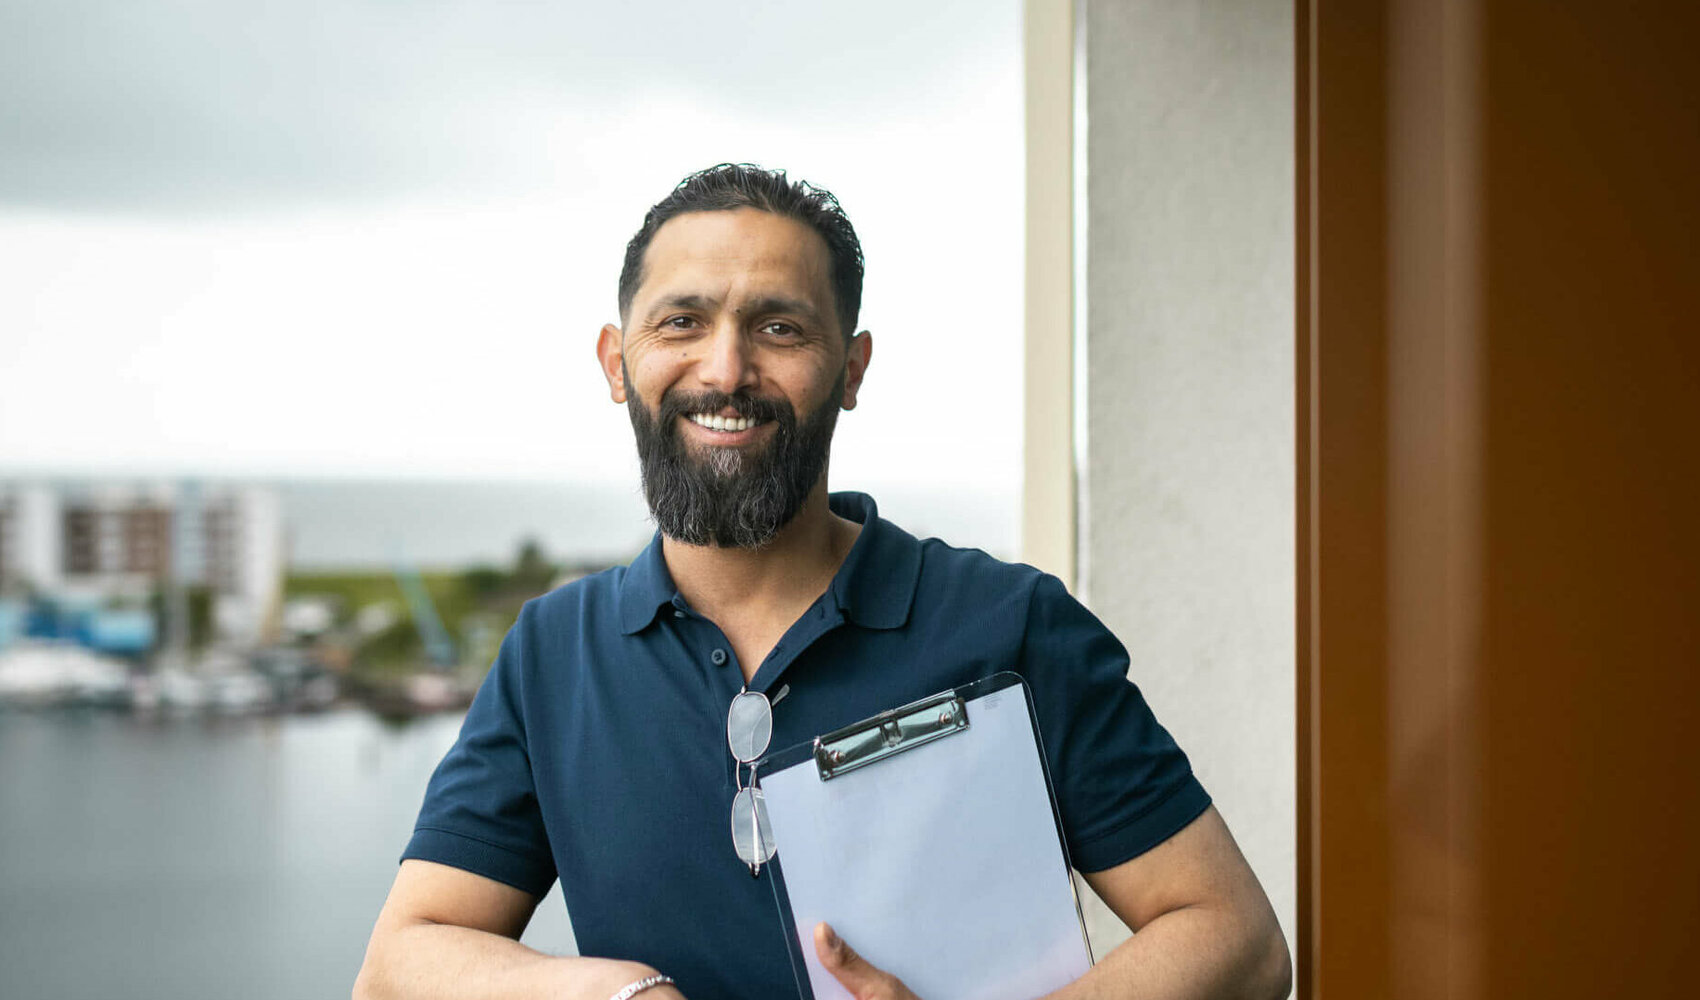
{"x": 596, "y": 750}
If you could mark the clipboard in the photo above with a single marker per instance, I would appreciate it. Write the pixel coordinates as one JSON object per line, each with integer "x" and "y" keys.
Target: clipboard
{"x": 929, "y": 838}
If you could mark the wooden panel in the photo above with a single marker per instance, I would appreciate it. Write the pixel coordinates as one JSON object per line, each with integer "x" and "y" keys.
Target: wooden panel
{"x": 1499, "y": 567}
{"x": 1591, "y": 148}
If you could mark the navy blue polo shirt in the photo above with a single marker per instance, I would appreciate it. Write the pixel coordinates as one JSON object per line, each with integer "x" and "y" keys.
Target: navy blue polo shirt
{"x": 595, "y": 751}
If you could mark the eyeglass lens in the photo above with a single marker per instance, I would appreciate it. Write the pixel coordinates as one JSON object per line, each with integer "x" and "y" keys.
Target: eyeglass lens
{"x": 752, "y": 835}
{"x": 749, "y": 729}
{"x": 749, "y": 725}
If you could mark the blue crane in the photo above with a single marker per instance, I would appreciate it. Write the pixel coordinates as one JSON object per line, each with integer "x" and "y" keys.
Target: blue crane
{"x": 438, "y": 646}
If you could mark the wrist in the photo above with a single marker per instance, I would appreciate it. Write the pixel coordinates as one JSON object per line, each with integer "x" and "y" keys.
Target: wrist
{"x": 653, "y": 981}
{"x": 598, "y": 978}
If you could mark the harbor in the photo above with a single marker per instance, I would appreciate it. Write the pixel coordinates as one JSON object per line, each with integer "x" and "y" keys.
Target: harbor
{"x": 213, "y": 750}
{"x": 187, "y": 598}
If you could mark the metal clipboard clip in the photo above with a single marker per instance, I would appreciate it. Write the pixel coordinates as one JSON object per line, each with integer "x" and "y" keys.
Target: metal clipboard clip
{"x": 889, "y": 733}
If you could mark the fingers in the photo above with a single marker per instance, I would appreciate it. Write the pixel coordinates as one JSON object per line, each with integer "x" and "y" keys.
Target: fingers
{"x": 833, "y": 952}
{"x": 863, "y": 980}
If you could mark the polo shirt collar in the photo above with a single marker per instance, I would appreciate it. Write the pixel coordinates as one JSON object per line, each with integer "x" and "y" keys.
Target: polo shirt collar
{"x": 874, "y": 588}
{"x": 876, "y": 585}
{"x": 645, "y": 588}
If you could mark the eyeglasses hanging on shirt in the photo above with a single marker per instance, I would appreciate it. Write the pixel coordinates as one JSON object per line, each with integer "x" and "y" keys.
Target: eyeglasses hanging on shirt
{"x": 749, "y": 730}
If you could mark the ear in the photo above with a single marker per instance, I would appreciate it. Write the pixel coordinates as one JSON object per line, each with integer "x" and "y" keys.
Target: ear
{"x": 860, "y": 349}
{"x": 612, "y": 357}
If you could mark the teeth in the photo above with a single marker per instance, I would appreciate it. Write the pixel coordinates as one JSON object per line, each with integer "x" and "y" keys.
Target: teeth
{"x": 719, "y": 423}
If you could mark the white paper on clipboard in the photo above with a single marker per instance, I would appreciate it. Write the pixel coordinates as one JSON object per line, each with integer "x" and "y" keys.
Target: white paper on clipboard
{"x": 941, "y": 865}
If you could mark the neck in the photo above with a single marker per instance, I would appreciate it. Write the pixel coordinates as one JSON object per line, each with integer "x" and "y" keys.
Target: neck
{"x": 796, "y": 566}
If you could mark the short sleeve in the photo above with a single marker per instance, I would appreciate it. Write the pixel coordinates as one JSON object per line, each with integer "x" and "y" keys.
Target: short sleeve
{"x": 481, "y": 812}
{"x": 1122, "y": 785}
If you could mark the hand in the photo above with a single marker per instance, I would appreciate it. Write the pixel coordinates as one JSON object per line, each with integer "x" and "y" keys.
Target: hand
{"x": 853, "y": 971}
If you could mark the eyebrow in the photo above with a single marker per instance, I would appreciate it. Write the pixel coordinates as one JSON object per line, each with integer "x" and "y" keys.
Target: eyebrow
{"x": 767, "y": 305}
{"x": 696, "y": 303}
{"x": 778, "y": 304}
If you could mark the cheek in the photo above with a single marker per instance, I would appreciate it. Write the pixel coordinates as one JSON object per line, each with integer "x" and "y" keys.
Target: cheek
{"x": 825, "y": 378}
{"x": 655, "y": 369}
{"x": 806, "y": 369}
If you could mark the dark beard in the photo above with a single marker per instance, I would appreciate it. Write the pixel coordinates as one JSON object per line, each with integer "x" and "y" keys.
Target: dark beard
{"x": 729, "y": 497}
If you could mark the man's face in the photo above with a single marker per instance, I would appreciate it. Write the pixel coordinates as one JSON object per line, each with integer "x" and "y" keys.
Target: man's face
{"x": 732, "y": 368}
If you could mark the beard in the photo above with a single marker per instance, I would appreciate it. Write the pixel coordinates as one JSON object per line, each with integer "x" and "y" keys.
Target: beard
{"x": 729, "y": 496}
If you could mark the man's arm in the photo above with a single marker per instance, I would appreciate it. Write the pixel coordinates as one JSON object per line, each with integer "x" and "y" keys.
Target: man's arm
{"x": 447, "y": 933}
{"x": 1203, "y": 926}
{"x": 1204, "y": 929}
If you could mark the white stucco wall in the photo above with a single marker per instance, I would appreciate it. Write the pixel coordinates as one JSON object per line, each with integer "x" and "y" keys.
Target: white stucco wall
{"x": 1187, "y": 512}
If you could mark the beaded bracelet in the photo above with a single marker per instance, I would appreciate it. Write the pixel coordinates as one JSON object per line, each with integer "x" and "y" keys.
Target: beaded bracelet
{"x": 642, "y": 984}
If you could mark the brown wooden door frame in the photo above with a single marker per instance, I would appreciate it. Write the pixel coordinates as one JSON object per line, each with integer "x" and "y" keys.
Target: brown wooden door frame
{"x": 1343, "y": 859}
{"x": 1388, "y": 492}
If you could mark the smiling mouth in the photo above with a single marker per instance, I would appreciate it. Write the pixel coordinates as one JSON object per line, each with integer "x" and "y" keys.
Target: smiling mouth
{"x": 726, "y": 425}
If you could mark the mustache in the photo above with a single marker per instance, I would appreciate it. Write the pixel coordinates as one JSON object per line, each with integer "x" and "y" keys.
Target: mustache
{"x": 677, "y": 403}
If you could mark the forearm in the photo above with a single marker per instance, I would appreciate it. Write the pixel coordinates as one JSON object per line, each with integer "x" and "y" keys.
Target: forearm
{"x": 1191, "y": 953}
{"x": 428, "y": 961}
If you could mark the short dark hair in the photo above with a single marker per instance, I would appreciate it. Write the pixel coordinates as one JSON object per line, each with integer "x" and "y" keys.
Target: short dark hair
{"x": 728, "y": 186}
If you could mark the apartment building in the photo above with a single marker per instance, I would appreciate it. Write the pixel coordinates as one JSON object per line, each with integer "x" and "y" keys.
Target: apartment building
{"x": 88, "y": 541}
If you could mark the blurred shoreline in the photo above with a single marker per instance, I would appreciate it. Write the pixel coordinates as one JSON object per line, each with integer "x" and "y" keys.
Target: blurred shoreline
{"x": 223, "y": 596}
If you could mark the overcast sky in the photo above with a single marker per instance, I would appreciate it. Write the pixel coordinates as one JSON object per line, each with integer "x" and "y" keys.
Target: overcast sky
{"x": 364, "y": 237}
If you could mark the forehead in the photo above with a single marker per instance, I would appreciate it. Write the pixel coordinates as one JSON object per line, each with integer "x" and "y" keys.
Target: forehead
{"x": 729, "y": 253}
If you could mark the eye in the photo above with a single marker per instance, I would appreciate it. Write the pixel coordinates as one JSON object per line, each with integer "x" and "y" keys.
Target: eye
{"x": 781, "y": 330}
{"x": 679, "y": 323}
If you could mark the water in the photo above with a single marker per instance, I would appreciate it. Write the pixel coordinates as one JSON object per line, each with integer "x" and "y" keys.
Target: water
{"x": 216, "y": 859}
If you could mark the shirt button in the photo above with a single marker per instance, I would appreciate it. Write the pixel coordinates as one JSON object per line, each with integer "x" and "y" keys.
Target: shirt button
{"x": 718, "y": 657}
{"x": 677, "y": 613}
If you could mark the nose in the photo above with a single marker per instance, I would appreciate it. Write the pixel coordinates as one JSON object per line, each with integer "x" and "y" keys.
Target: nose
{"x": 727, "y": 363}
